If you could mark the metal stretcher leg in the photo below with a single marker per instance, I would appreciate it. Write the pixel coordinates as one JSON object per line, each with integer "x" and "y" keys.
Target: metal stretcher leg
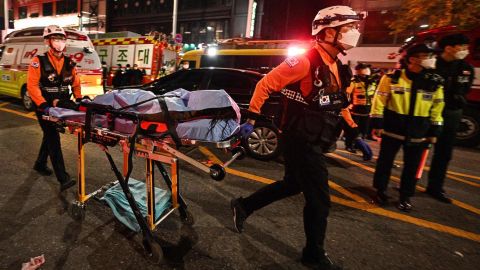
{"x": 187, "y": 217}
{"x": 151, "y": 247}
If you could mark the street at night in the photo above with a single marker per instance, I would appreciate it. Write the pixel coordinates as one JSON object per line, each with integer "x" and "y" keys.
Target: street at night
{"x": 360, "y": 235}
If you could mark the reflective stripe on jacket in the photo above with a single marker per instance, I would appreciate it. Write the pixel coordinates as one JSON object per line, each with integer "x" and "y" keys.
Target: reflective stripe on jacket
{"x": 392, "y": 101}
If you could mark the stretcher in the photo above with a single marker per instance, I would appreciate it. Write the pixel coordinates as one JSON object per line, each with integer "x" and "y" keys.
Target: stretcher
{"x": 153, "y": 137}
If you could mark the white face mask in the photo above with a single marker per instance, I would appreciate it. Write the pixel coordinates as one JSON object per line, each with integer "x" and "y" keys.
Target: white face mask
{"x": 58, "y": 46}
{"x": 461, "y": 54}
{"x": 349, "y": 39}
{"x": 429, "y": 63}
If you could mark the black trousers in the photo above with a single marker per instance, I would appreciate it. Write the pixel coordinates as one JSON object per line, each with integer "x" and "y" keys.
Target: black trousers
{"x": 363, "y": 122}
{"x": 444, "y": 149}
{"x": 305, "y": 171}
{"x": 412, "y": 153}
{"x": 51, "y": 148}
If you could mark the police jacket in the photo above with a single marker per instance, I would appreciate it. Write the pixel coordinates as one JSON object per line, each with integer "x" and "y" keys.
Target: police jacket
{"x": 312, "y": 86}
{"x": 52, "y": 78}
{"x": 360, "y": 92}
{"x": 409, "y": 105}
{"x": 458, "y": 76}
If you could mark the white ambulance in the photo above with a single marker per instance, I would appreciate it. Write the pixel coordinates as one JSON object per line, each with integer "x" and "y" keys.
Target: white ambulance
{"x": 21, "y": 46}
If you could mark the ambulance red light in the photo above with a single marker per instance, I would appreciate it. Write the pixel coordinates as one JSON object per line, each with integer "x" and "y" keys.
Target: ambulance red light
{"x": 292, "y": 51}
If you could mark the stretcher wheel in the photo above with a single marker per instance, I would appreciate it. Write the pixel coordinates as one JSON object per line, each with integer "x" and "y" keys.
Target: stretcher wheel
{"x": 155, "y": 255}
{"x": 77, "y": 211}
{"x": 186, "y": 217}
{"x": 240, "y": 150}
{"x": 217, "y": 172}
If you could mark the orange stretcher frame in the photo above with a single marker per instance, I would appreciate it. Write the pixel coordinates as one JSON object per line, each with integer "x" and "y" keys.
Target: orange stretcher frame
{"x": 155, "y": 152}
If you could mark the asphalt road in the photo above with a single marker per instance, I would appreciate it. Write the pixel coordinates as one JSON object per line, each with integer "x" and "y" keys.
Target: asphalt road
{"x": 34, "y": 219}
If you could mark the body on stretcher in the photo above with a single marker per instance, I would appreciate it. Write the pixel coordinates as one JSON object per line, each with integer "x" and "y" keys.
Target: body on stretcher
{"x": 116, "y": 119}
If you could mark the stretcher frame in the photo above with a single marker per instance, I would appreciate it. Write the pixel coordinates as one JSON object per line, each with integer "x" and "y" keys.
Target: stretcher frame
{"x": 156, "y": 152}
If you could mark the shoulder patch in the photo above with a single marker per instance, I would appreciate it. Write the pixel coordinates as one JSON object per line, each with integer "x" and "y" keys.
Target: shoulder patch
{"x": 35, "y": 64}
{"x": 292, "y": 61}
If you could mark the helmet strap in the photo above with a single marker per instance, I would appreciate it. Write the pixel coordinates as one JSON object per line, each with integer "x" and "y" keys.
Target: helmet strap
{"x": 334, "y": 43}
{"x": 55, "y": 51}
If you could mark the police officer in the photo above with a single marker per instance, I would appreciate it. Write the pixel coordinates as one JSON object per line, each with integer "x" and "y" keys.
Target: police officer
{"x": 51, "y": 77}
{"x": 406, "y": 111}
{"x": 361, "y": 91}
{"x": 458, "y": 76}
{"x": 314, "y": 94}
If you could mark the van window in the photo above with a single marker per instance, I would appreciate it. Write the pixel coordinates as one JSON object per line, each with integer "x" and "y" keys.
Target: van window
{"x": 476, "y": 49}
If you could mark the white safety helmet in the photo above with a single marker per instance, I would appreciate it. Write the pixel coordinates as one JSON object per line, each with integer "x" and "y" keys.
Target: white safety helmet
{"x": 53, "y": 30}
{"x": 335, "y": 16}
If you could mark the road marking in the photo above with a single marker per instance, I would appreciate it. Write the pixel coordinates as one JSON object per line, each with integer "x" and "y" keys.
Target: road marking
{"x": 214, "y": 158}
{"x": 360, "y": 204}
{"x": 396, "y": 179}
{"x": 426, "y": 168}
{"x": 408, "y": 219}
{"x": 18, "y": 113}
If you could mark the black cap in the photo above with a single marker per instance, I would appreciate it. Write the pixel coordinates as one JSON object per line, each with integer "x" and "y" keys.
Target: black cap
{"x": 419, "y": 48}
{"x": 362, "y": 66}
{"x": 452, "y": 40}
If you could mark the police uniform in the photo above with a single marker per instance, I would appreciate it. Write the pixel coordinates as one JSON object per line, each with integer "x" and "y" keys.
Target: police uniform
{"x": 408, "y": 107}
{"x": 458, "y": 75}
{"x": 361, "y": 93}
{"x": 313, "y": 97}
{"x": 51, "y": 78}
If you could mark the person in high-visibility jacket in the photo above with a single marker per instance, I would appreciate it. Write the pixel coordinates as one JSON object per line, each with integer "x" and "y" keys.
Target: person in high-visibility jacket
{"x": 51, "y": 78}
{"x": 361, "y": 91}
{"x": 406, "y": 111}
{"x": 313, "y": 86}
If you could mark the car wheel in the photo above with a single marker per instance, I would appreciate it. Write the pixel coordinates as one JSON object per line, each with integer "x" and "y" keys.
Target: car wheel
{"x": 263, "y": 143}
{"x": 468, "y": 133}
{"x": 27, "y": 100}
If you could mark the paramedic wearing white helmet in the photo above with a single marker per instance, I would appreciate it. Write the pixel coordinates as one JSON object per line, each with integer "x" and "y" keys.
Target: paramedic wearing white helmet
{"x": 49, "y": 80}
{"x": 313, "y": 86}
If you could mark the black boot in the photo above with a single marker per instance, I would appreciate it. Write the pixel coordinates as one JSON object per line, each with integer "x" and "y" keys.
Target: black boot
{"x": 381, "y": 198}
{"x": 239, "y": 214}
{"x": 42, "y": 169}
{"x": 67, "y": 182}
{"x": 404, "y": 204}
{"x": 438, "y": 195}
{"x": 321, "y": 262}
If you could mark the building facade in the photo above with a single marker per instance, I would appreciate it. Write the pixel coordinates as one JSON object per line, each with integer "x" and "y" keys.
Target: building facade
{"x": 198, "y": 21}
{"x": 86, "y": 15}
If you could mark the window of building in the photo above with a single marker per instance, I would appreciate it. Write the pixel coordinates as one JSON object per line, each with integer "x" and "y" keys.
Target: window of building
{"x": 67, "y": 6}
{"x": 22, "y": 12}
{"x": 47, "y": 9}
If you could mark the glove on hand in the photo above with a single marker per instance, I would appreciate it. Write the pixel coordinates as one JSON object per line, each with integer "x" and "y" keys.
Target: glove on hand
{"x": 246, "y": 130}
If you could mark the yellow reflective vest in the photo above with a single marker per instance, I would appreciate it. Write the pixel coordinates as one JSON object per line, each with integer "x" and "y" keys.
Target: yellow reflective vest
{"x": 361, "y": 96}
{"x": 392, "y": 108}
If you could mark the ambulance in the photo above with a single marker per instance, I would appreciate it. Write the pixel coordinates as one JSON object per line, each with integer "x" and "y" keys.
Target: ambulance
{"x": 21, "y": 46}
{"x": 150, "y": 53}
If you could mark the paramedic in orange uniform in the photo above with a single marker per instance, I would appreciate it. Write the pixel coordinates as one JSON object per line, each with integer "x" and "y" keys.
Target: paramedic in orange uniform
{"x": 51, "y": 79}
{"x": 313, "y": 86}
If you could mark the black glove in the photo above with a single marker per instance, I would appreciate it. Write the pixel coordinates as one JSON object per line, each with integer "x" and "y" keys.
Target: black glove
{"x": 67, "y": 104}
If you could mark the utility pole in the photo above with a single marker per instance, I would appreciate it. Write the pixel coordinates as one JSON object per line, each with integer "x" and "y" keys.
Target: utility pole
{"x": 174, "y": 26}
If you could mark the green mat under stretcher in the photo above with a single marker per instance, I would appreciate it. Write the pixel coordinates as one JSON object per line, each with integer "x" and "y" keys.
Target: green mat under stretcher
{"x": 116, "y": 199}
